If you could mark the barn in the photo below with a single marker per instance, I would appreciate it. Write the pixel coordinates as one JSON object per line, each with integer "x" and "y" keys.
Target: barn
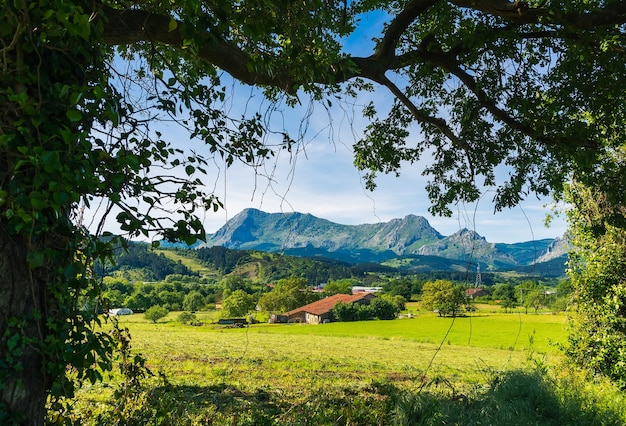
{"x": 321, "y": 311}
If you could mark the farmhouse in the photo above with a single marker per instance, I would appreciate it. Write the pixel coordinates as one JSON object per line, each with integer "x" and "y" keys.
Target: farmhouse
{"x": 473, "y": 293}
{"x": 321, "y": 311}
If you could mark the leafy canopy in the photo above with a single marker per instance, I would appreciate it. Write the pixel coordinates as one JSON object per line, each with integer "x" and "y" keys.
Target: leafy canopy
{"x": 537, "y": 87}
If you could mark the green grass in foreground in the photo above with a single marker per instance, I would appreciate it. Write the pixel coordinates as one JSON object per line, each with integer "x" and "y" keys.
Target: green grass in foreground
{"x": 487, "y": 369}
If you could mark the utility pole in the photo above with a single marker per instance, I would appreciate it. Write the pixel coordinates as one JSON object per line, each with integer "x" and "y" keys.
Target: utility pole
{"x": 479, "y": 279}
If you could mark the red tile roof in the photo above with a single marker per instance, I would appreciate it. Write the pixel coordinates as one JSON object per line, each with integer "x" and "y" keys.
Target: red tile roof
{"x": 325, "y": 305}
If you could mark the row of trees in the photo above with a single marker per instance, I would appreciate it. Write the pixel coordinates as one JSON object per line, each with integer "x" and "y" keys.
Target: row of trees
{"x": 450, "y": 299}
{"x": 240, "y": 296}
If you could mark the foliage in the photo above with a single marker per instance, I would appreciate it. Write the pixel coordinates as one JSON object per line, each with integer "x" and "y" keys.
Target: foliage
{"x": 139, "y": 256}
{"x": 532, "y": 88}
{"x": 238, "y": 304}
{"x": 404, "y": 287}
{"x": 535, "y": 299}
{"x": 503, "y": 292}
{"x": 155, "y": 313}
{"x": 351, "y": 312}
{"x": 222, "y": 258}
{"x": 287, "y": 294}
{"x": 343, "y": 286}
{"x": 186, "y": 318}
{"x": 193, "y": 301}
{"x": 384, "y": 308}
{"x": 445, "y": 297}
{"x": 53, "y": 92}
{"x": 507, "y": 304}
{"x": 598, "y": 273}
{"x": 231, "y": 283}
{"x": 380, "y": 307}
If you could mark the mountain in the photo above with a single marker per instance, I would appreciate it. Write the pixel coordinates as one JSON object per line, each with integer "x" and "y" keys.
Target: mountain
{"x": 257, "y": 230}
{"x": 410, "y": 238}
{"x": 468, "y": 245}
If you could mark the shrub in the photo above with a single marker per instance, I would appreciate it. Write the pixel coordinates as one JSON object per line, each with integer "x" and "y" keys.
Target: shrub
{"x": 155, "y": 313}
{"x": 186, "y": 318}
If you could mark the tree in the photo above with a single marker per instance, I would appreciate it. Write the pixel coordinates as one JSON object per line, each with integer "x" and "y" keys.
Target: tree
{"x": 186, "y": 318}
{"x": 287, "y": 294}
{"x": 193, "y": 301}
{"x": 155, "y": 313}
{"x": 507, "y": 304}
{"x": 346, "y": 312}
{"x": 384, "y": 308}
{"x": 444, "y": 296}
{"x": 535, "y": 299}
{"x": 533, "y": 86}
{"x": 597, "y": 269}
{"x": 503, "y": 292}
{"x": 238, "y": 304}
{"x": 343, "y": 286}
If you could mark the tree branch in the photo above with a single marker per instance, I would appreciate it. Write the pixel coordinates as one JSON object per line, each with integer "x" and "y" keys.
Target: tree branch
{"x": 132, "y": 26}
{"x": 423, "y": 117}
{"x": 520, "y": 12}
{"x": 387, "y": 47}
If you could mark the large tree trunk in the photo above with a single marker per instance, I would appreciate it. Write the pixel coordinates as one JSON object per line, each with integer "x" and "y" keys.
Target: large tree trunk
{"x": 23, "y": 382}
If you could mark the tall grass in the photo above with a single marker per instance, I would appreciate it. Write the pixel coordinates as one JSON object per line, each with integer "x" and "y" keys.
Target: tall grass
{"x": 487, "y": 370}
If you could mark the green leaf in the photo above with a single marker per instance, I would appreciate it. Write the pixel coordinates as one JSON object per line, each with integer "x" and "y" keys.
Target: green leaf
{"x": 74, "y": 115}
{"x": 35, "y": 259}
{"x": 172, "y": 25}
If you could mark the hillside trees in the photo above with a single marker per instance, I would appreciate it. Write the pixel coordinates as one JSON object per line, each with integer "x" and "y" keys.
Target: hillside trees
{"x": 535, "y": 86}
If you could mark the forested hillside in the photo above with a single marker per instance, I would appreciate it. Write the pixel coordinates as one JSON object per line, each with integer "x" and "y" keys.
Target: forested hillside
{"x": 138, "y": 262}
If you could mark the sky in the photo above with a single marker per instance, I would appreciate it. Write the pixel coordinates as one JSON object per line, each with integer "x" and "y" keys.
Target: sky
{"x": 322, "y": 180}
{"x": 319, "y": 176}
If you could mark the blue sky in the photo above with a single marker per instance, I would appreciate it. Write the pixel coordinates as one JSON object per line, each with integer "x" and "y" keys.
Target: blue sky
{"x": 319, "y": 177}
{"x": 323, "y": 181}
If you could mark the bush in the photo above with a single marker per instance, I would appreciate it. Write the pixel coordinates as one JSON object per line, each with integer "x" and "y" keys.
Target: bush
{"x": 186, "y": 318}
{"x": 155, "y": 313}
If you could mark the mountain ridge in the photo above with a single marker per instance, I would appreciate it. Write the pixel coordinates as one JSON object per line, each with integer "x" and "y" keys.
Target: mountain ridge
{"x": 306, "y": 235}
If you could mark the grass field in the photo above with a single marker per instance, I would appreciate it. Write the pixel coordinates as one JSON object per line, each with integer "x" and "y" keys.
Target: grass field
{"x": 337, "y": 373}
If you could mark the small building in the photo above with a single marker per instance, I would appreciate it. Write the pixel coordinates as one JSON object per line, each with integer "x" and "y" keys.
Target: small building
{"x": 321, "y": 311}
{"x": 278, "y": 319}
{"x": 473, "y": 293}
{"x": 120, "y": 311}
{"x": 363, "y": 289}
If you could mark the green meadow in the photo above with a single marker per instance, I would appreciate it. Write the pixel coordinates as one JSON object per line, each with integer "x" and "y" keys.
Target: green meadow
{"x": 400, "y": 348}
{"x": 372, "y": 372}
